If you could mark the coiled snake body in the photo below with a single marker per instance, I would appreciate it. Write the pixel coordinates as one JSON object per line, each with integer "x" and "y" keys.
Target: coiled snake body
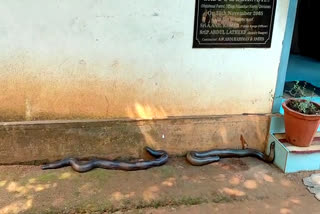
{"x": 79, "y": 166}
{"x": 203, "y": 158}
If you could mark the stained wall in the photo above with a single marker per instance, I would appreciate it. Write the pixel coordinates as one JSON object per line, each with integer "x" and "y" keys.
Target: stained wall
{"x": 98, "y": 59}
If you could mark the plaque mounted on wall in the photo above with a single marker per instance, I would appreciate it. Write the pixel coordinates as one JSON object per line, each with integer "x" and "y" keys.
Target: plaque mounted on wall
{"x": 233, "y": 23}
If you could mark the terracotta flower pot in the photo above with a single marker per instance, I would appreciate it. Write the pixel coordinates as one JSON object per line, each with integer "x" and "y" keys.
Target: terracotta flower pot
{"x": 300, "y": 128}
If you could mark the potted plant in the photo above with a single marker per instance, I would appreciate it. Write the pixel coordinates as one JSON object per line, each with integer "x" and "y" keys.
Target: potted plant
{"x": 301, "y": 117}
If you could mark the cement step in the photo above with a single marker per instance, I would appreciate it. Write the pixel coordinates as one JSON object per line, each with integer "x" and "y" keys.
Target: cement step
{"x": 291, "y": 158}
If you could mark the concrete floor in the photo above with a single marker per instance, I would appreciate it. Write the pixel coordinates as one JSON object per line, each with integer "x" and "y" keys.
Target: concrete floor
{"x": 231, "y": 186}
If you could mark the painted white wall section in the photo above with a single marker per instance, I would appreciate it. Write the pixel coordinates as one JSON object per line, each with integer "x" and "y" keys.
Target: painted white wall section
{"x": 125, "y": 58}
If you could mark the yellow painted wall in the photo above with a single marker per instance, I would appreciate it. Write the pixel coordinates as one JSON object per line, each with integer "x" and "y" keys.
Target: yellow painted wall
{"x": 125, "y": 58}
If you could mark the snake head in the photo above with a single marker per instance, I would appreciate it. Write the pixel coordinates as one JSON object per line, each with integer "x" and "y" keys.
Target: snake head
{"x": 155, "y": 153}
{"x": 272, "y": 152}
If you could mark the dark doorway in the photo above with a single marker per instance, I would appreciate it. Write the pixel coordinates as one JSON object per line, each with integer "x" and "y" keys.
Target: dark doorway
{"x": 304, "y": 61}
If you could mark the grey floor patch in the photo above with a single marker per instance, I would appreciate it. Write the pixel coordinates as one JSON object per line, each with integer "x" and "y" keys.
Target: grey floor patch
{"x": 313, "y": 184}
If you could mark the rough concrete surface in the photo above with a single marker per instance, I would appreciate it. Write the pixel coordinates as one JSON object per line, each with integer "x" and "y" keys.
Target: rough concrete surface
{"x": 230, "y": 186}
{"x": 42, "y": 141}
{"x": 313, "y": 184}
